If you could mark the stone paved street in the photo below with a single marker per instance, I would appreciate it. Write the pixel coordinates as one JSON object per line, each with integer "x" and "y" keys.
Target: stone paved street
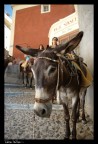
{"x": 21, "y": 122}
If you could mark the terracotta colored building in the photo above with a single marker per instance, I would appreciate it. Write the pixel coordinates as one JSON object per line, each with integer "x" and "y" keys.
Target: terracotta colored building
{"x": 37, "y": 24}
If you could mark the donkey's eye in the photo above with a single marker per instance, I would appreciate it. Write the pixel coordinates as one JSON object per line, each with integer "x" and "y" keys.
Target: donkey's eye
{"x": 52, "y": 69}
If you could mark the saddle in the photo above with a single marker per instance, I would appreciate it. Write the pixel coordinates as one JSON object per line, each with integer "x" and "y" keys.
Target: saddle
{"x": 24, "y": 64}
{"x": 76, "y": 63}
{"x": 86, "y": 80}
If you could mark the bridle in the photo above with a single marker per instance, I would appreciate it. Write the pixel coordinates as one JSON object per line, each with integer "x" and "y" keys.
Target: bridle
{"x": 50, "y": 98}
{"x": 59, "y": 62}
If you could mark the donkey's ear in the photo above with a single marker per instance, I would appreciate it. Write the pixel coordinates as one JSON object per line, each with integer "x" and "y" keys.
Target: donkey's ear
{"x": 28, "y": 51}
{"x": 70, "y": 45}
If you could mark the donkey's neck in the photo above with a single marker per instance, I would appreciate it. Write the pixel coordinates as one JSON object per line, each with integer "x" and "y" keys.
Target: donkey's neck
{"x": 66, "y": 76}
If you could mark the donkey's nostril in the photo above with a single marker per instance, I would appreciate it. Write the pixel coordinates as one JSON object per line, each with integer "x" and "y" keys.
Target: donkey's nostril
{"x": 43, "y": 111}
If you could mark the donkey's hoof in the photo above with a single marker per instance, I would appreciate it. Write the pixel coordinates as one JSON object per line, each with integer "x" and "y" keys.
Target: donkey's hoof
{"x": 84, "y": 121}
{"x": 65, "y": 138}
{"x": 74, "y": 138}
{"x": 78, "y": 120}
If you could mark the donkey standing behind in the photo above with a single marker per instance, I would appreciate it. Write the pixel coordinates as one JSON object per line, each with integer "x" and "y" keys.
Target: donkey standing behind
{"x": 26, "y": 73}
{"x": 7, "y": 61}
{"x": 51, "y": 73}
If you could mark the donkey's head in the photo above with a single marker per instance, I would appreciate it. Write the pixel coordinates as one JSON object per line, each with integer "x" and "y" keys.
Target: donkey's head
{"x": 45, "y": 70}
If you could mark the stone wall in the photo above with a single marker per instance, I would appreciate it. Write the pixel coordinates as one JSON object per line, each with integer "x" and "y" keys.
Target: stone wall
{"x": 85, "y": 16}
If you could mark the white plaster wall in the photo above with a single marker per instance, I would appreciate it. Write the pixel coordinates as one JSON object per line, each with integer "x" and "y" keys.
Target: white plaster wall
{"x": 86, "y": 24}
{"x": 7, "y": 33}
{"x": 62, "y": 26}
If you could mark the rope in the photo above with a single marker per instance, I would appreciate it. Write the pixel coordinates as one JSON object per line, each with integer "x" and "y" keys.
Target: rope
{"x": 58, "y": 77}
{"x": 33, "y": 126}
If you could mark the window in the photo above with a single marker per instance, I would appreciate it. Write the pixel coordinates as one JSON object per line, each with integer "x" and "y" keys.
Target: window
{"x": 45, "y": 8}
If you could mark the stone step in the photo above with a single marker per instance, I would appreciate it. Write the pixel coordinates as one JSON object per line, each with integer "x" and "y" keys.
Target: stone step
{"x": 29, "y": 106}
{"x": 11, "y": 85}
{"x": 17, "y": 93}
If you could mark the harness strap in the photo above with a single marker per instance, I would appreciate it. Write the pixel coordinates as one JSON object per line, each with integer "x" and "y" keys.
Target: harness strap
{"x": 49, "y": 59}
{"x": 61, "y": 68}
{"x": 41, "y": 100}
{"x": 70, "y": 65}
{"x": 58, "y": 78}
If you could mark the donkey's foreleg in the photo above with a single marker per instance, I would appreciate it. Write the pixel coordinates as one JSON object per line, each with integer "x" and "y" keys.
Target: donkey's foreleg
{"x": 78, "y": 110}
{"x": 67, "y": 118}
{"x": 74, "y": 115}
{"x": 30, "y": 78}
{"x": 83, "y": 105}
{"x": 22, "y": 77}
{"x": 27, "y": 80}
{"x": 31, "y": 82}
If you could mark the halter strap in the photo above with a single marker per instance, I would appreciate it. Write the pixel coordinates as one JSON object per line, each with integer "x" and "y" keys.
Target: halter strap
{"x": 48, "y": 59}
{"x": 42, "y": 100}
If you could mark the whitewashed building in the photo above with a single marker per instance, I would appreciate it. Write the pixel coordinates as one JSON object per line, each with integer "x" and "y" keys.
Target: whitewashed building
{"x": 7, "y": 31}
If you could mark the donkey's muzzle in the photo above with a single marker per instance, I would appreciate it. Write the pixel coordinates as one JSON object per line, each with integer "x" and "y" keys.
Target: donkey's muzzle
{"x": 42, "y": 110}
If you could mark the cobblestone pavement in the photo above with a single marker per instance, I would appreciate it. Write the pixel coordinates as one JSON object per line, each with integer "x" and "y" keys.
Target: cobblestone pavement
{"x": 24, "y": 124}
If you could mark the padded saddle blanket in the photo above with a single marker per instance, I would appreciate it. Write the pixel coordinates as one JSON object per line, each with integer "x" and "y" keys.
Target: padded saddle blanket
{"x": 24, "y": 64}
{"x": 86, "y": 81}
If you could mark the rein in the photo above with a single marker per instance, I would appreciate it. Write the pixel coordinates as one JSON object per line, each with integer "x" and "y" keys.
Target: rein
{"x": 59, "y": 64}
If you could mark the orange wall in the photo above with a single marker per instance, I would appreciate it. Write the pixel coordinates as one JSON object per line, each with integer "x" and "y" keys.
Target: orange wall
{"x": 32, "y": 27}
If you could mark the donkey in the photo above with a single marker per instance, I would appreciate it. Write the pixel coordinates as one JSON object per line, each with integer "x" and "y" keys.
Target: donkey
{"x": 27, "y": 73}
{"x": 8, "y": 60}
{"x": 52, "y": 74}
